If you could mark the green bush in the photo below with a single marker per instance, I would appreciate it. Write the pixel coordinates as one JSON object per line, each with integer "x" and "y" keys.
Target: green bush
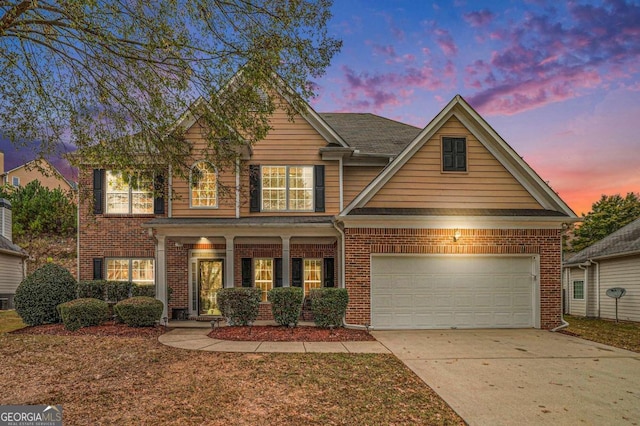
{"x": 143, "y": 290}
{"x": 139, "y": 311}
{"x": 239, "y": 305}
{"x": 94, "y": 289}
{"x": 329, "y": 306}
{"x": 117, "y": 290}
{"x": 83, "y": 312}
{"x": 38, "y": 295}
{"x": 286, "y": 304}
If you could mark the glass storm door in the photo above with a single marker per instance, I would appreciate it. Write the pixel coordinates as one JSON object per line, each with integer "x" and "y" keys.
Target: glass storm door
{"x": 209, "y": 280}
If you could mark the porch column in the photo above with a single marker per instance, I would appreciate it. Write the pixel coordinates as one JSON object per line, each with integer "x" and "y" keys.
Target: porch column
{"x": 285, "y": 260}
{"x": 229, "y": 261}
{"x": 161, "y": 274}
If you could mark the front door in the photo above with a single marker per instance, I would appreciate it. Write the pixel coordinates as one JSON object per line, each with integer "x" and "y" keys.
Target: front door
{"x": 209, "y": 281}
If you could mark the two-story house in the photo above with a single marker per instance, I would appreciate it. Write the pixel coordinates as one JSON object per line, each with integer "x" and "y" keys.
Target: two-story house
{"x": 439, "y": 227}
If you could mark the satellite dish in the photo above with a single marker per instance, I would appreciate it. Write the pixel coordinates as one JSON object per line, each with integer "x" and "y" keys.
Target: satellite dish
{"x": 616, "y": 292}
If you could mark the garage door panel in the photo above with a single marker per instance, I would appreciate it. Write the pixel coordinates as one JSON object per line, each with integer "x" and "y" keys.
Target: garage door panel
{"x": 447, "y": 291}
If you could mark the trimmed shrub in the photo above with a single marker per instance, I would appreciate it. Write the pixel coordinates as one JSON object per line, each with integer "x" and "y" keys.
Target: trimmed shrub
{"x": 38, "y": 295}
{"x": 329, "y": 306}
{"x": 92, "y": 289}
{"x": 239, "y": 305}
{"x": 143, "y": 290}
{"x": 286, "y": 304}
{"x": 83, "y": 312}
{"x": 139, "y": 311}
{"x": 117, "y": 290}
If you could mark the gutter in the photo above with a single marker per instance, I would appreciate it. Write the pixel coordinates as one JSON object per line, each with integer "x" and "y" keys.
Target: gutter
{"x": 343, "y": 263}
{"x": 597, "y": 285}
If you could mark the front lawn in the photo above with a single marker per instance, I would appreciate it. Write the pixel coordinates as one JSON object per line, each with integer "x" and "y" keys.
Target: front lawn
{"x": 623, "y": 335}
{"x": 117, "y": 380}
{"x": 10, "y": 321}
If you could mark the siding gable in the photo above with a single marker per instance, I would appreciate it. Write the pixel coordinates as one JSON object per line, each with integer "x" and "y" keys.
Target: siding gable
{"x": 420, "y": 183}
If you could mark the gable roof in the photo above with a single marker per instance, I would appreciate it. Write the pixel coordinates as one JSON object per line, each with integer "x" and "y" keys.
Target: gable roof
{"x": 35, "y": 166}
{"x": 490, "y": 139}
{"x": 622, "y": 242}
{"x": 370, "y": 133}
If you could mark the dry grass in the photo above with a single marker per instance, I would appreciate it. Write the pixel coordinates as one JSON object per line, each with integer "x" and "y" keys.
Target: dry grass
{"x": 623, "y": 335}
{"x": 116, "y": 380}
{"x": 10, "y": 321}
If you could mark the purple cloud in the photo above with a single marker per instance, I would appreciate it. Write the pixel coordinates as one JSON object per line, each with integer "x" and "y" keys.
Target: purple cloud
{"x": 479, "y": 18}
{"x": 546, "y": 59}
{"x": 445, "y": 42}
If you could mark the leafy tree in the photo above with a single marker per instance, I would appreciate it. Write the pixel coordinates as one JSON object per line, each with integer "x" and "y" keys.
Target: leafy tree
{"x": 92, "y": 71}
{"x": 36, "y": 210}
{"x": 607, "y": 215}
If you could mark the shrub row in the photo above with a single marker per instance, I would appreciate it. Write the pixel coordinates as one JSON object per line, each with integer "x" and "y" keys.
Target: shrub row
{"x": 113, "y": 291}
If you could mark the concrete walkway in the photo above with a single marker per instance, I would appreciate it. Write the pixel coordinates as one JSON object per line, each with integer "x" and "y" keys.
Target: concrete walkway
{"x": 196, "y": 339}
{"x": 523, "y": 377}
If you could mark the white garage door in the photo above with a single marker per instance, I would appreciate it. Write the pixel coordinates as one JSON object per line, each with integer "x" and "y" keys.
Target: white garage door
{"x": 452, "y": 291}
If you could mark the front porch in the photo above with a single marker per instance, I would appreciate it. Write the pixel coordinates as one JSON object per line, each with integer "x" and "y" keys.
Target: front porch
{"x": 196, "y": 257}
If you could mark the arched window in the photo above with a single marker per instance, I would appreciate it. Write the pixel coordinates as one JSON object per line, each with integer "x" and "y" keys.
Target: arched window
{"x": 203, "y": 182}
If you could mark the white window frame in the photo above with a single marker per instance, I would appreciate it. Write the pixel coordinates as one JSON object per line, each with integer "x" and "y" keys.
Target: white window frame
{"x": 305, "y": 272}
{"x": 130, "y": 261}
{"x": 130, "y": 195}
{"x": 192, "y": 187}
{"x": 15, "y": 181}
{"x": 287, "y": 189}
{"x": 263, "y": 284}
{"x": 573, "y": 289}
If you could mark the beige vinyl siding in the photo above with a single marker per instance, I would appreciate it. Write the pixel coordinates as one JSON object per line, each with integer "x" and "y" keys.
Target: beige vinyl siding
{"x": 420, "y": 183}
{"x": 621, "y": 272}
{"x": 12, "y": 273}
{"x": 292, "y": 144}
{"x": 226, "y": 187}
{"x": 355, "y": 178}
{"x": 47, "y": 177}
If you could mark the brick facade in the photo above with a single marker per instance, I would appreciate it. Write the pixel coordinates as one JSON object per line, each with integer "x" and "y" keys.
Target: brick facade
{"x": 361, "y": 243}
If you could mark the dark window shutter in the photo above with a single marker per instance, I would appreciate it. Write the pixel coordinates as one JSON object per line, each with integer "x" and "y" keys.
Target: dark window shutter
{"x": 329, "y": 272}
{"x": 247, "y": 269}
{"x": 454, "y": 155}
{"x": 97, "y": 268}
{"x": 318, "y": 178}
{"x": 98, "y": 191}
{"x": 254, "y": 188}
{"x": 278, "y": 271}
{"x": 296, "y": 272}
{"x": 158, "y": 200}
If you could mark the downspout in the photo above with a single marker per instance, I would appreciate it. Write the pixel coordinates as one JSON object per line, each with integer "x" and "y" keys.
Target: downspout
{"x": 597, "y": 285}
{"x": 237, "y": 188}
{"x": 343, "y": 262}
{"x": 170, "y": 192}
{"x": 585, "y": 268}
{"x": 77, "y": 237}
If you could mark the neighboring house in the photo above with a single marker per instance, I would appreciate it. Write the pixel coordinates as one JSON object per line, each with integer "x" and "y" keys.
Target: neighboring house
{"x": 13, "y": 268}
{"x": 614, "y": 261}
{"x": 439, "y": 227}
{"x": 41, "y": 170}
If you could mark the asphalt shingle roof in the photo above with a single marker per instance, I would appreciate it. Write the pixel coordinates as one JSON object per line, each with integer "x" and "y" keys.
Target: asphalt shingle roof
{"x": 7, "y": 245}
{"x": 625, "y": 240}
{"x": 370, "y": 133}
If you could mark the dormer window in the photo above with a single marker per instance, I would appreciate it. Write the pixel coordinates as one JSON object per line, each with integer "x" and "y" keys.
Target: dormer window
{"x": 454, "y": 154}
{"x": 203, "y": 182}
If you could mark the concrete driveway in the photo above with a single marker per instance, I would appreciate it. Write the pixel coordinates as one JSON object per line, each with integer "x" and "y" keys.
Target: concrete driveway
{"x": 517, "y": 377}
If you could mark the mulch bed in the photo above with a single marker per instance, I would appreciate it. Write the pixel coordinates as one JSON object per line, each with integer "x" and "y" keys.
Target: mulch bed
{"x": 107, "y": 329}
{"x": 271, "y": 333}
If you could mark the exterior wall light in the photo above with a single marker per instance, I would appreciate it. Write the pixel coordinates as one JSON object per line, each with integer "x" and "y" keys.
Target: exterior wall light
{"x": 456, "y": 235}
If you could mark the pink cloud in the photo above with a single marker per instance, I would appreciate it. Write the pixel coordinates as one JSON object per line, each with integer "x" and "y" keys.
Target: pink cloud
{"x": 479, "y": 18}
{"x": 445, "y": 42}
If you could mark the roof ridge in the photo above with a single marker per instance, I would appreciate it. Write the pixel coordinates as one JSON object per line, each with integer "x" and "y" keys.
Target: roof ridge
{"x": 374, "y": 115}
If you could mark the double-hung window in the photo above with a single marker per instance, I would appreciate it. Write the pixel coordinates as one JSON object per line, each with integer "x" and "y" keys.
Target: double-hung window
{"x": 204, "y": 185}
{"x": 138, "y": 271}
{"x": 129, "y": 193}
{"x": 263, "y": 276}
{"x": 578, "y": 289}
{"x": 287, "y": 188}
{"x": 312, "y": 274}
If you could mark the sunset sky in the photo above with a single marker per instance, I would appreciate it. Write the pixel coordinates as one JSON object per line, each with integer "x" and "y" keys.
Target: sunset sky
{"x": 559, "y": 81}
